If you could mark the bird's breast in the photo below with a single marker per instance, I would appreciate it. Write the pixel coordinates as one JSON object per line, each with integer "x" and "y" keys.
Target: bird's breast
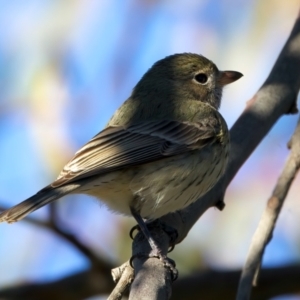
{"x": 174, "y": 183}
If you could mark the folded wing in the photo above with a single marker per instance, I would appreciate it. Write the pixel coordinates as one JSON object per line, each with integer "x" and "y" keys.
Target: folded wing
{"x": 116, "y": 148}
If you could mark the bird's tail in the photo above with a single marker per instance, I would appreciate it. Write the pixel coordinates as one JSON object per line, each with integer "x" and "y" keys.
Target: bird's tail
{"x": 43, "y": 197}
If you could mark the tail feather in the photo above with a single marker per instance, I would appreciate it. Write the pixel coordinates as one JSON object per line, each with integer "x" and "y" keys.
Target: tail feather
{"x": 38, "y": 200}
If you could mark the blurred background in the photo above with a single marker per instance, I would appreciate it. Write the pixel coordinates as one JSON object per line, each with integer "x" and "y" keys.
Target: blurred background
{"x": 66, "y": 66}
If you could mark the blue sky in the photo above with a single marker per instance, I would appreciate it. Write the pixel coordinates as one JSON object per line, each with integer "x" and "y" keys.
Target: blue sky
{"x": 65, "y": 66}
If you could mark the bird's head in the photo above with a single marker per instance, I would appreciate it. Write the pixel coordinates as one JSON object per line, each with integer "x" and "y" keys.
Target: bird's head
{"x": 185, "y": 76}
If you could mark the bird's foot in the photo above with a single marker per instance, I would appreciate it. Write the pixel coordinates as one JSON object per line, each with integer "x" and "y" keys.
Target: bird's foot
{"x": 167, "y": 262}
{"x": 156, "y": 250}
{"x": 133, "y": 229}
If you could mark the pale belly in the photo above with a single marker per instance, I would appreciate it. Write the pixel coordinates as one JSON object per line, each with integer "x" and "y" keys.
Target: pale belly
{"x": 156, "y": 189}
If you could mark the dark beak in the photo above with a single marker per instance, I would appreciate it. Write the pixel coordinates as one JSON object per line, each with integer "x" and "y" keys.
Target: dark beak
{"x": 226, "y": 77}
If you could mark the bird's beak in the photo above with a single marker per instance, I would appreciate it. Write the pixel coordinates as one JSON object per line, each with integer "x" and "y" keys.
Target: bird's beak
{"x": 226, "y": 77}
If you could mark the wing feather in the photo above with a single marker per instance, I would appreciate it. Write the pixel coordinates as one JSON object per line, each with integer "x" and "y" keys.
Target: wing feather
{"x": 116, "y": 148}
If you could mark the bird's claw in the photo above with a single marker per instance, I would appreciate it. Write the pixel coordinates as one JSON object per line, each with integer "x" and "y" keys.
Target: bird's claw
{"x": 136, "y": 227}
{"x": 167, "y": 262}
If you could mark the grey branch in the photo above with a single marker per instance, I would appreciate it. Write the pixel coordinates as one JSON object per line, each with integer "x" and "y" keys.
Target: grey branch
{"x": 152, "y": 280}
{"x": 54, "y": 227}
{"x": 123, "y": 276}
{"x": 268, "y": 220}
{"x": 276, "y": 97}
{"x": 208, "y": 285}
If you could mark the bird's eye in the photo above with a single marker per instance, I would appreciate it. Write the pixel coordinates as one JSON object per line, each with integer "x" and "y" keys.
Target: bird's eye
{"x": 201, "y": 78}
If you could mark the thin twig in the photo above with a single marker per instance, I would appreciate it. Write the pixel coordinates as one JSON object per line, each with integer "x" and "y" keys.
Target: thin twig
{"x": 124, "y": 276}
{"x": 208, "y": 285}
{"x": 53, "y": 226}
{"x": 265, "y": 228}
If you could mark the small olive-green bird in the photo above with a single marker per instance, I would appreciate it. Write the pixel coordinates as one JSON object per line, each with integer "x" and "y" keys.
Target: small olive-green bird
{"x": 165, "y": 147}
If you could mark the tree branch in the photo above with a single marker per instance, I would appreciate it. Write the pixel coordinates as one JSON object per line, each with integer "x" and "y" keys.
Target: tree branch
{"x": 265, "y": 228}
{"x": 209, "y": 285}
{"x": 275, "y": 98}
{"x": 53, "y": 226}
{"x": 158, "y": 283}
{"x": 75, "y": 287}
{"x": 123, "y": 276}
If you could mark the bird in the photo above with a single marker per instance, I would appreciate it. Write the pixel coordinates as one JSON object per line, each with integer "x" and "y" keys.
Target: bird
{"x": 165, "y": 147}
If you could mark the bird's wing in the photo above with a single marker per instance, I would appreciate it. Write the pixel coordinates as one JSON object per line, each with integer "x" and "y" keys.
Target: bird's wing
{"x": 116, "y": 148}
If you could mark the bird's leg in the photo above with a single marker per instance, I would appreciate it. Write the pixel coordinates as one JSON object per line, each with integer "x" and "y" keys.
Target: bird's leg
{"x": 156, "y": 251}
{"x": 170, "y": 231}
{"x": 146, "y": 232}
